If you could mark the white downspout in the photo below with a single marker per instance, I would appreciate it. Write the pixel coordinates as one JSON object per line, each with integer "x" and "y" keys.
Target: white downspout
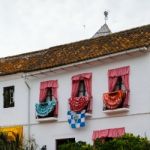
{"x": 29, "y": 103}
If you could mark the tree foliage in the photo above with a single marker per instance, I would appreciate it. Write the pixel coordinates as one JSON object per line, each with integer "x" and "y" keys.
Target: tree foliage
{"x": 6, "y": 144}
{"x": 127, "y": 142}
{"x": 75, "y": 146}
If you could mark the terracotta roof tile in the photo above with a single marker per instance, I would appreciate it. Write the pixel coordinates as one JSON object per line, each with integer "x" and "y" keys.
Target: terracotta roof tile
{"x": 75, "y": 52}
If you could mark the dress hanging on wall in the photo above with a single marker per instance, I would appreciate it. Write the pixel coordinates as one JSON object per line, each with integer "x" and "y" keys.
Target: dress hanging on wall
{"x": 43, "y": 109}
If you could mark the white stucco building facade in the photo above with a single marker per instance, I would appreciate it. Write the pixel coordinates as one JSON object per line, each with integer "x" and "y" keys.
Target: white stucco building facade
{"x": 135, "y": 119}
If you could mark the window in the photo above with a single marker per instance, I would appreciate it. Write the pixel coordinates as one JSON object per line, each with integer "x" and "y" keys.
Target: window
{"x": 81, "y": 90}
{"x": 60, "y": 142}
{"x": 119, "y": 85}
{"x": 48, "y": 102}
{"x": 8, "y": 96}
{"x": 49, "y": 95}
{"x": 81, "y": 95}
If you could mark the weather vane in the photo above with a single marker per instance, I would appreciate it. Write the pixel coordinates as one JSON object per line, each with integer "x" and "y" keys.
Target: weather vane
{"x": 106, "y": 15}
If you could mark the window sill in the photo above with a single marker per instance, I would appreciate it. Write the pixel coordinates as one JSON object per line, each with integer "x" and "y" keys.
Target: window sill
{"x": 50, "y": 119}
{"x": 119, "y": 110}
{"x": 88, "y": 114}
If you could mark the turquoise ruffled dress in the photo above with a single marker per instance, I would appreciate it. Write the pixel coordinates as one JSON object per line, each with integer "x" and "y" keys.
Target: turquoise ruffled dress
{"x": 44, "y": 108}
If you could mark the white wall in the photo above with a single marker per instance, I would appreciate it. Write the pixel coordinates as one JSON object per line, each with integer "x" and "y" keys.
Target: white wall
{"x": 18, "y": 114}
{"x": 136, "y": 120}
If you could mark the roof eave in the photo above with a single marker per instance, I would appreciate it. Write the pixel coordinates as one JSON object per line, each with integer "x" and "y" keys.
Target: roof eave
{"x": 75, "y": 64}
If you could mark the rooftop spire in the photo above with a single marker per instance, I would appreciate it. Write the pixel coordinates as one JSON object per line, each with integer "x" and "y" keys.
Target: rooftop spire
{"x": 106, "y": 16}
{"x": 104, "y": 30}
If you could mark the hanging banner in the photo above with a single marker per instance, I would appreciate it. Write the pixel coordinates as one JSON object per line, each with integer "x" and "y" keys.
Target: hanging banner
{"x": 12, "y": 132}
{"x": 76, "y": 119}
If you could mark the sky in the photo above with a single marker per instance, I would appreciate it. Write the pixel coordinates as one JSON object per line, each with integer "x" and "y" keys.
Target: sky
{"x": 29, "y": 25}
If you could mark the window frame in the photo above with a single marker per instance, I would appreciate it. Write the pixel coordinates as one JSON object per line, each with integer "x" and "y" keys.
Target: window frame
{"x": 8, "y": 100}
{"x": 124, "y": 72}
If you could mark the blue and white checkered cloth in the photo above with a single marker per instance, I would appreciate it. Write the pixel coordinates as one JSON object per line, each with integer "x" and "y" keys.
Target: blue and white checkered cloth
{"x": 76, "y": 119}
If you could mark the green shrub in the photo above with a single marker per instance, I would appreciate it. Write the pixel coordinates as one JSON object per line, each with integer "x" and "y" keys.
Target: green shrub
{"x": 76, "y": 146}
{"x": 127, "y": 142}
{"x": 6, "y": 144}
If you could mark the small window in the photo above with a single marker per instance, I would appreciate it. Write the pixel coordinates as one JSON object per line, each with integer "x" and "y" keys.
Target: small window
{"x": 8, "y": 96}
{"x": 60, "y": 142}
{"x": 82, "y": 90}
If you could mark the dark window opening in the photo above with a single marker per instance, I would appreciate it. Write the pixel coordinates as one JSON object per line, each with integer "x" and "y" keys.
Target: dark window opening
{"x": 49, "y": 94}
{"x": 119, "y": 84}
{"x": 81, "y": 90}
{"x": 8, "y": 93}
{"x": 103, "y": 140}
{"x": 60, "y": 142}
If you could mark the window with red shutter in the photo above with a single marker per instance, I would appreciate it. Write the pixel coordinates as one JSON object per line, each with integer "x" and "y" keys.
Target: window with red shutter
{"x": 118, "y": 83}
{"x": 48, "y": 101}
{"x": 81, "y": 95}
